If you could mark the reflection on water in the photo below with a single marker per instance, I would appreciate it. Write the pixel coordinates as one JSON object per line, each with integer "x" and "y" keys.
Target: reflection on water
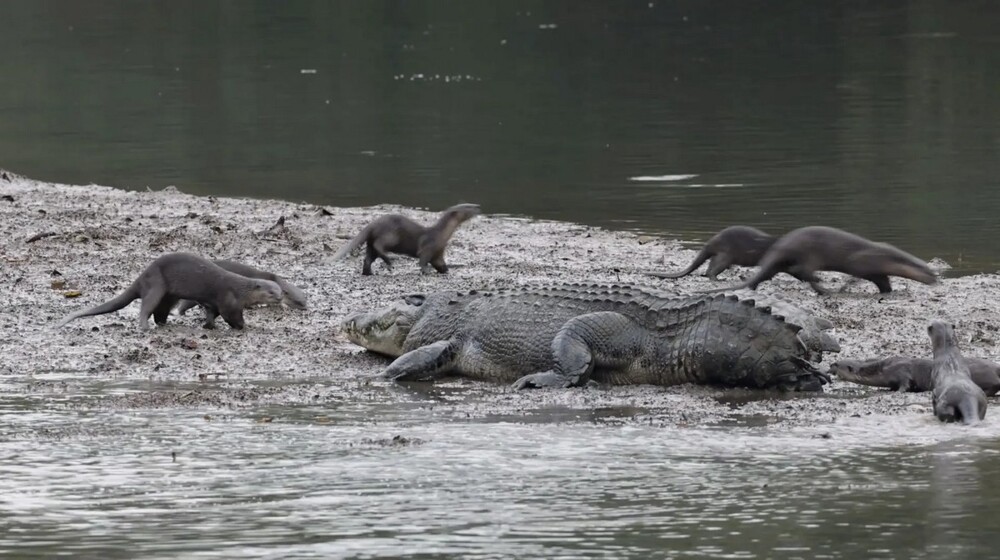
{"x": 371, "y": 480}
{"x": 879, "y": 117}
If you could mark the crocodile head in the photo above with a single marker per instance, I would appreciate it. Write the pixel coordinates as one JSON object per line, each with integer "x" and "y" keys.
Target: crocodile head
{"x": 385, "y": 330}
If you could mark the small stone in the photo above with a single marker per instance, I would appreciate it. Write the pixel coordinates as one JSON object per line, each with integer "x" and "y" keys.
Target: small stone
{"x": 72, "y": 293}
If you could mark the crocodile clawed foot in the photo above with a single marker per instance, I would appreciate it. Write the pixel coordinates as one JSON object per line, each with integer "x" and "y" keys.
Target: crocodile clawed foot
{"x": 809, "y": 383}
{"x": 543, "y": 379}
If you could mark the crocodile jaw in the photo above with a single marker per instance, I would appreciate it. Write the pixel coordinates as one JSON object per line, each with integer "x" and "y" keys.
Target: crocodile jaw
{"x": 384, "y": 330}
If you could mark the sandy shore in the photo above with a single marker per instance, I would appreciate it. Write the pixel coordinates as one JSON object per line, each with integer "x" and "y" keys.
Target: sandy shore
{"x": 61, "y": 239}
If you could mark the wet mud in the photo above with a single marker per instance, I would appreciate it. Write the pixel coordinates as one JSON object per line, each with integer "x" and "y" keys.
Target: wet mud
{"x": 69, "y": 247}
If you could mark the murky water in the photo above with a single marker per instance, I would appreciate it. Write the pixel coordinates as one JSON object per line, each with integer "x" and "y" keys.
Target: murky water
{"x": 368, "y": 478}
{"x": 665, "y": 117}
{"x": 879, "y": 117}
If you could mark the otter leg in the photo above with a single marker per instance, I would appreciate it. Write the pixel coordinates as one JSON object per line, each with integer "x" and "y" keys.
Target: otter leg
{"x": 233, "y": 316}
{"x": 210, "y": 314}
{"x": 808, "y": 275}
{"x": 162, "y": 311}
{"x": 185, "y": 305}
{"x": 379, "y": 247}
{"x": 438, "y": 263}
{"x": 150, "y": 301}
{"x": 763, "y": 275}
{"x": 370, "y": 256}
{"x": 374, "y": 251}
{"x": 717, "y": 265}
{"x": 881, "y": 281}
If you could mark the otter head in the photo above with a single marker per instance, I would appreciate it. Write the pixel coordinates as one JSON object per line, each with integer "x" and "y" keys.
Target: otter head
{"x": 942, "y": 336}
{"x": 841, "y": 367}
{"x": 293, "y": 297}
{"x": 902, "y": 264}
{"x": 464, "y": 211}
{"x": 385, "y": 330}
{"x": 262, "y": 292}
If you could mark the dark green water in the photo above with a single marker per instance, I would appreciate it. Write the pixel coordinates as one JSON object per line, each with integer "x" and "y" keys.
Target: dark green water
{"x": 879, "y": 117}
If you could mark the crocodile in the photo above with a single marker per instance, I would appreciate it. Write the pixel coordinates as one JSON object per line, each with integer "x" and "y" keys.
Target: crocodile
{"x": 566, "y": 335}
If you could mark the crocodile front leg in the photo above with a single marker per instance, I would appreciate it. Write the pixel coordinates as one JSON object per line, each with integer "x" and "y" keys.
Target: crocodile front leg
{"x": 604, "y": 337}
{"x": 426, "y": 363}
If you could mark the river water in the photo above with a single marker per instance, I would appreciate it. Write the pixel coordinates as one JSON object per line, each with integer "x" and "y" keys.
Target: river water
{"x": 878, "y": 117}
{"x": 367, "y": 477}
{"x": 674, "y": 118}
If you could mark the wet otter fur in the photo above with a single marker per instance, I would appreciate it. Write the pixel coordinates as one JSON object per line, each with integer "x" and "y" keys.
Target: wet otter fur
{"x": 395, "y": 233}
{"x": 291, "y": 295}
{"x": 913, "y": 375}
{"x": 176, "y": 276}
{"x": 734, "y": 245}
{"x": 954, "y": 396}
{"x": 805, "y": 251}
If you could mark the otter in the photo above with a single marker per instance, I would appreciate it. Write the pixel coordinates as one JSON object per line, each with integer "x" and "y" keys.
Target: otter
{"x": 176, "y": 276}
{"x": 954, "y": 396}
{"x": 396, "y": 233}
{"x": 291, "y": 295}
{"x": 739, "y": 245}
{"x": 805, "y": 251}
{"x": 912, "y": 375}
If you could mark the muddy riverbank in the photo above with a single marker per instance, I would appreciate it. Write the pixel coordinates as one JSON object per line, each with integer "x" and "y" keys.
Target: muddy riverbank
{"x": 68, "y": 247}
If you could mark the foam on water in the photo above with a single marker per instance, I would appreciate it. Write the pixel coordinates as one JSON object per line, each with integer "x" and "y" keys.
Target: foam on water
{"x": 679, "y": 177}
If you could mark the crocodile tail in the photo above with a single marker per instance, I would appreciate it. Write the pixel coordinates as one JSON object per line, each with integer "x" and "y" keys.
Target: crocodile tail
{"x": 703, "y": 256}
{"x": 353, "y": 244}
{"x": 121, "y": 300}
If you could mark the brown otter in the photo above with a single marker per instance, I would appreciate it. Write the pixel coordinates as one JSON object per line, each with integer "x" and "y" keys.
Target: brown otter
{"x": 176, "y": 276}
{"x": 291, "y": 295}
{"x": 805, "y": 251}
{"x": 395, "y": 233}
{"x": 954, "y": 395}
{"x": 739, "y": 245}
{"x": 912, "y": 375}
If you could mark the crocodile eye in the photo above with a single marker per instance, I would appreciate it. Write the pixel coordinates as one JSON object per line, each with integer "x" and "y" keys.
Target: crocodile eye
{"x": 415, "y": 299}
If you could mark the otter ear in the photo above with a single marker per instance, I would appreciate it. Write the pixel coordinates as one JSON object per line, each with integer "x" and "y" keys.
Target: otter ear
{"x": 930, "y": 329}
{"x": 953, "y": 326}
{"x": 415, "y": 299}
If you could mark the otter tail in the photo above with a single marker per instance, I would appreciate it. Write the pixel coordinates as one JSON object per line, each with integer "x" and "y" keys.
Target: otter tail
{"x": 698, "y": 261}
{"x": 748, "y": 284}
{"x": 766, "y": 270}
{"x": 121, "y": 300}
{"x": 971, "y": 409}
{"x": 353, "y": 244}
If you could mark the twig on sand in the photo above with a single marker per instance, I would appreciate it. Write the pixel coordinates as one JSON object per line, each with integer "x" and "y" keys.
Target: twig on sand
{"x": 38, "y": 236}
